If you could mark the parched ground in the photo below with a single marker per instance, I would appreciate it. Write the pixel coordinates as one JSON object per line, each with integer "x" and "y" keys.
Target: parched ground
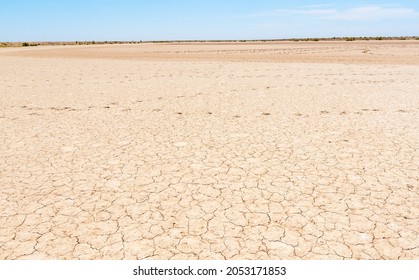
{"x": 210, "y": 151}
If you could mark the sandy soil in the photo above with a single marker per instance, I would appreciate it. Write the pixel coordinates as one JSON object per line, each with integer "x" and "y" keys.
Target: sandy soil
{"x": 359, "y": 52}
{"x": 210, "y": 151}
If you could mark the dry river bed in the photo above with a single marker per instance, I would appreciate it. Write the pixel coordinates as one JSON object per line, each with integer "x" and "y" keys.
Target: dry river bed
{"x": 210, "y": 151}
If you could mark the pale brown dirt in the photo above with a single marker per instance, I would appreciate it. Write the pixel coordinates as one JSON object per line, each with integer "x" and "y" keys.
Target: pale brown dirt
{"x": 210, "y": 151}
{"x": 358, "y": 52}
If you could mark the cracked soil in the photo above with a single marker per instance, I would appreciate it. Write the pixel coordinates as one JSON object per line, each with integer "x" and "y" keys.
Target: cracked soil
{"x": 210, "y": 151}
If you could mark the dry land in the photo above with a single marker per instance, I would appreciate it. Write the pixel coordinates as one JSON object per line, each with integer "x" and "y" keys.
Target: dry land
{"x": 291, "y": 150}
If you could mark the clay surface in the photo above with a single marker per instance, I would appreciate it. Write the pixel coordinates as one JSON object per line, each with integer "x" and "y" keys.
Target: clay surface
{"x": 206, "y": 151}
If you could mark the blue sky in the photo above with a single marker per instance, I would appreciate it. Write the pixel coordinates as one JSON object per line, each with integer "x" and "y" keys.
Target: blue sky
{"x": 65, "y": 20}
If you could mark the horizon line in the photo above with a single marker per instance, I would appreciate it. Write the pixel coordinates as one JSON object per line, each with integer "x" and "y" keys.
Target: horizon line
{"x": 223, "y": 40}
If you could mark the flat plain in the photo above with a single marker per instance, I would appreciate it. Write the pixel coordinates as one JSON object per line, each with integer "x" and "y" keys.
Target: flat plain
{"x": 279, "y": 150}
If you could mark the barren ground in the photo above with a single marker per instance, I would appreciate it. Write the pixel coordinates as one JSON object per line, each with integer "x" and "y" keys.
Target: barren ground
{"x": 210, "y": 151}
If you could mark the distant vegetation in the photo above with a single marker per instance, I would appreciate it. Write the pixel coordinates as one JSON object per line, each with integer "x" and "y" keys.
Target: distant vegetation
{"x": 27, "y": 44}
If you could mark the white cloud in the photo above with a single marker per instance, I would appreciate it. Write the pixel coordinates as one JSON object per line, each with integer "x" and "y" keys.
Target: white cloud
{"x": 318, "y": 12}
{"x": 371, "y": 13}
{"x": 358, "y": 13}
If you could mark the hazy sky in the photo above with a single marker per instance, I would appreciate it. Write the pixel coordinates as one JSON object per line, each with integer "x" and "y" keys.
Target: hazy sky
{"x": 65, "y": 20}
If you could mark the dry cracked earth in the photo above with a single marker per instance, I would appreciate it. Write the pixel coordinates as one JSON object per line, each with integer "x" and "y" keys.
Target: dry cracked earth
{"x": 107, "y": 158}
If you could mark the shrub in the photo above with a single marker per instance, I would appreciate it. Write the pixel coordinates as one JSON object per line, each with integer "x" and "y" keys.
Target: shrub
{"x": 350, "y": 38}
{"x": 25, "y": 44}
